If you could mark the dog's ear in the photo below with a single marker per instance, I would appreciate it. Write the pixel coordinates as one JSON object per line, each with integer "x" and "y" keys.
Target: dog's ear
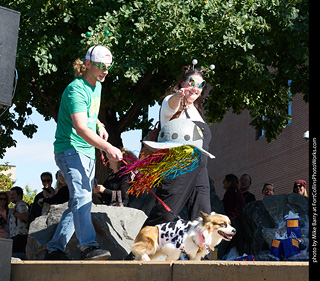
{"x": 204, "y": 215}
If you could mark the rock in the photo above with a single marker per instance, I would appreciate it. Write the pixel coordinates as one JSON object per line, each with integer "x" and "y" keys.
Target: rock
{"x": 116, "y": 229}
{"x": 41, "y": 230}
{"x": 259, "y": 220}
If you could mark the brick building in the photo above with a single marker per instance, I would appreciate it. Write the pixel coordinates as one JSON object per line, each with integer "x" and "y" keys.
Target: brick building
{"x": 239, "y": 150}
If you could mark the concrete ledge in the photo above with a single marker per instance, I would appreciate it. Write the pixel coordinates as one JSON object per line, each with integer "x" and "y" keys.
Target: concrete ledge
{"x": 241, "y": 271}
{"x": 89, "y": 270}
{"x": 164, "y": 271}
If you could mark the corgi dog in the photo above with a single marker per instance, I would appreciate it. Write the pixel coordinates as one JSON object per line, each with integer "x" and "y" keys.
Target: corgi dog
{"x": 190, "y": 237}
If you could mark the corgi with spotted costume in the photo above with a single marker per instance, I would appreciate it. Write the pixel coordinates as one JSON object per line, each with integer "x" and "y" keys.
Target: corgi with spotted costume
{"x": 189, "y": 237}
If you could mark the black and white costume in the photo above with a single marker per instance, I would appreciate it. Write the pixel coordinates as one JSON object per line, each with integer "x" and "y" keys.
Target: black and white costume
{"x": 172, "y": 232}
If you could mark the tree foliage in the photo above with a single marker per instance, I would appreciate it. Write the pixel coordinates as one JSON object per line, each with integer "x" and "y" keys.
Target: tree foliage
{"x": 29, "y": 195}
{"x": 5, "y": 181}
{"x": 151, "y": 41}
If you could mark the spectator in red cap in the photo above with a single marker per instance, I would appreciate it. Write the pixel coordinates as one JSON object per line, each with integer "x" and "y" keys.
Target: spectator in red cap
{"x": 300, "y": 187}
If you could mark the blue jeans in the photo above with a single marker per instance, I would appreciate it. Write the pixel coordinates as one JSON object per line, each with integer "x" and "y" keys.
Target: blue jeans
{"x": 78, "y": 172}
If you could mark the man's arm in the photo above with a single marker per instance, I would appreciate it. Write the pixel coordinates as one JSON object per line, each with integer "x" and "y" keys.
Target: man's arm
{"x": 102, "y": 131}
{"x": 20, "y": 212}
{"x": 79, "y": 120}
{"x": 21, "y": 216}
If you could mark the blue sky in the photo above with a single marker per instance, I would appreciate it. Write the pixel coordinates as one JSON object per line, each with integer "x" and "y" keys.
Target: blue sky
{"x": 34, "y": 156}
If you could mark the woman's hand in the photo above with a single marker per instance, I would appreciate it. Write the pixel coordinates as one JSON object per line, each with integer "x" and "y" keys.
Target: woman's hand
{"x": 98, "y": 189}
{"x": 174, "y": 101}
{"x": 182, "y": 92}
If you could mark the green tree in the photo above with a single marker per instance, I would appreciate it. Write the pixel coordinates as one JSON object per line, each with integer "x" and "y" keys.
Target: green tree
{"x": 29, "y": 195}
{"x": 151, "y": 41}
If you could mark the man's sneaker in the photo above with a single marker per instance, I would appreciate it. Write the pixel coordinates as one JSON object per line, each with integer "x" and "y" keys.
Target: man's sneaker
{"x": 57, "y": 255}
{"x": 95, "y": 253}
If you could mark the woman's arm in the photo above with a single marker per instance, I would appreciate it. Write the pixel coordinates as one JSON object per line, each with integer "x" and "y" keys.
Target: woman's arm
{"x": 60, "y": 197}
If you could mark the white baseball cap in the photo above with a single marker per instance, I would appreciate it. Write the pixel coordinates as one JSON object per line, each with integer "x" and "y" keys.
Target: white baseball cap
{"x": 99, "y": 53}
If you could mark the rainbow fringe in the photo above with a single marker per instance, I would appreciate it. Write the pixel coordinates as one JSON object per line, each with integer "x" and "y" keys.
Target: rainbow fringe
{"x": 164, "y": 163}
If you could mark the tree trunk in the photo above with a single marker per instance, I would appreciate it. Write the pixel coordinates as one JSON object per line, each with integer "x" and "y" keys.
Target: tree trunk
{"x": 108, "y": 117}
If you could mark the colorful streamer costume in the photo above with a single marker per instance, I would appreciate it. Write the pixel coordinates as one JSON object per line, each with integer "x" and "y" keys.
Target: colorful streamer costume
{"x": 164, "y": 163}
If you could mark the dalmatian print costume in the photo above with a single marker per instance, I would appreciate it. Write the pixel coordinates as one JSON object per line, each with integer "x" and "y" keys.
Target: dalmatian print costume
{"x": 172, "y": 232}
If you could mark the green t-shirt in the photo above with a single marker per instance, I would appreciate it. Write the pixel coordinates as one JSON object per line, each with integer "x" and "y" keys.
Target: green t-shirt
{"x": 79, "y": 96}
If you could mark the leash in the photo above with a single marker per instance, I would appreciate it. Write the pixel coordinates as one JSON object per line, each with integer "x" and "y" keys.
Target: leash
{"x": 105, "y": 162}
{"x": 164, "y": 205}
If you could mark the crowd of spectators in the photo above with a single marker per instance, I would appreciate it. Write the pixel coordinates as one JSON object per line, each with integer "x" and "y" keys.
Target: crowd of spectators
{"x": 237, "y": 193}
{"x": 14, "y": 221}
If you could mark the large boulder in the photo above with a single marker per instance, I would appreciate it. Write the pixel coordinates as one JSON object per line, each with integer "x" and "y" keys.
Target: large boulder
{"x": 116, "y": 229}
{"x": 258, "y": 222}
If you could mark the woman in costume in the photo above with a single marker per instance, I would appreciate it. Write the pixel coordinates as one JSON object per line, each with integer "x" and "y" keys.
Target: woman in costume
{"x": 192, "y": 189}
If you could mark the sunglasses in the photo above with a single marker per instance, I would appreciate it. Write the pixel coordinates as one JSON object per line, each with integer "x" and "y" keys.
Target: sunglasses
{"x": 103, "y": 67}
{"x": 192, "y": 83}
{"x": 46, "y": 180}
{"x": 1, "y": 198}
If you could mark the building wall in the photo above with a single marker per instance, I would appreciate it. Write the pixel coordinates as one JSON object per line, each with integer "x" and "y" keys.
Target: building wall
{"x": 280, "y": 162}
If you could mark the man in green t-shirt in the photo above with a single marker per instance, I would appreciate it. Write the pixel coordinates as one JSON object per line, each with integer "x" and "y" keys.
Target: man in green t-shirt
{"x": 74, "y": 148}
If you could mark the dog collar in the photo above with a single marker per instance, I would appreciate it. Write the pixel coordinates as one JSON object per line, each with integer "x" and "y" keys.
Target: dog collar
{"x": 201, "y": 246}
{"x": 201, "y": 238}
